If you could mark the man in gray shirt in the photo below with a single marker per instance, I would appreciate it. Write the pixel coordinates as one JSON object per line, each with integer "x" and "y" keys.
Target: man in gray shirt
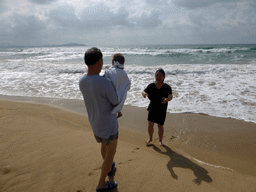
{"x": 100, "y": 99}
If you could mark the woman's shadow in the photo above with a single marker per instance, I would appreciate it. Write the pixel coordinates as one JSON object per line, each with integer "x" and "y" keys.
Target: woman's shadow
{"x": 177, "y": 160}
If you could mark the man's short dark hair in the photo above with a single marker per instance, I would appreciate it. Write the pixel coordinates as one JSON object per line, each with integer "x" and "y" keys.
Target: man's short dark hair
{"x": 92, "y": 55}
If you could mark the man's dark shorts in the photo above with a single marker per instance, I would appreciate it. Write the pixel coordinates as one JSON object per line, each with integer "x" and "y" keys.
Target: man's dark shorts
{"x": 107, "y": 140}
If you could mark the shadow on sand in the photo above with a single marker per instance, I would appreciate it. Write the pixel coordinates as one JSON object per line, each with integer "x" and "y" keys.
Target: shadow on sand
{"x": 177, "y": 160}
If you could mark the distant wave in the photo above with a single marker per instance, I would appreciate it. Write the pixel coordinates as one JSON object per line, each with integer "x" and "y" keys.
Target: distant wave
{"x": 205, "y": 48}
{"x": 72, "y": 71}
{"x": 180, "y": 52}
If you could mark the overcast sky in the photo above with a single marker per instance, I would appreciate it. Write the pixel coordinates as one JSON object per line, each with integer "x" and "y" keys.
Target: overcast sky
{"x": 127, "y": 22}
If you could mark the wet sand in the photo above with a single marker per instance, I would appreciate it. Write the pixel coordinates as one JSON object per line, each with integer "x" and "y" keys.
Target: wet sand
{"x": 47, "y": 145}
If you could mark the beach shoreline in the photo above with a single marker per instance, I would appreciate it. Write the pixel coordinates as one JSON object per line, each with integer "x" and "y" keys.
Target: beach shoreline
{"x": 197, "y": 142}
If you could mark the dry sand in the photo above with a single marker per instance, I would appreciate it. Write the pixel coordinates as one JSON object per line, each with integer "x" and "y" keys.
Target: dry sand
{"x": 49, "y": 148}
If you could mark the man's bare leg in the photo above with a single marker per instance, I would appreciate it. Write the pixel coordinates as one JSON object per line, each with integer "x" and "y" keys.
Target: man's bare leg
{"x": 108, "y": 153}
{"x": 150, "y": 132}
{"x": 103, "y": 150}
{"x": 160, "y": 134}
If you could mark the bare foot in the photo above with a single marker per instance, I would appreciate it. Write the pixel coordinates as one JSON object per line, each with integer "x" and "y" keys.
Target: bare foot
{"x": 161, "y": 143}
{"x": 148, "y": 141}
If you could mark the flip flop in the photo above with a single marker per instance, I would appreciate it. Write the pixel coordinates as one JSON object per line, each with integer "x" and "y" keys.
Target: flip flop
{"x": 109, "y": 185}
{"x": 112, "y": 168}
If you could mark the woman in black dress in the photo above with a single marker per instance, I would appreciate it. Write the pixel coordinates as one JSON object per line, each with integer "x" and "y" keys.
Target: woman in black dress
{"x": 159, "y": 94}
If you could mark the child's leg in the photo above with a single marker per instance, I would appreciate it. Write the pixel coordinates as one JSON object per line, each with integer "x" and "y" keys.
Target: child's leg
{"x": 119, "y": 114}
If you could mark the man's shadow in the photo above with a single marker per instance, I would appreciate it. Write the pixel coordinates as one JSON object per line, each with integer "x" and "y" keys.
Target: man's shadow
{"x": 177, "y": 160}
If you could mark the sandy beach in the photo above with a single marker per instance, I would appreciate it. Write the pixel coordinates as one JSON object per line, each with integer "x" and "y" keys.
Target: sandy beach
{"x": 48, "y": 145}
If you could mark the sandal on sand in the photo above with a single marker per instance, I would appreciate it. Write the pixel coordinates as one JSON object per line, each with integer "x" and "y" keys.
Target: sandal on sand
{"x": 112, "y": 168}
{"x": 109, "y": 185}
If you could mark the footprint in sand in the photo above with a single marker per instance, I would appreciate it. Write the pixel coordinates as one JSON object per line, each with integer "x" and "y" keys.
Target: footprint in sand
{"x": 137, "y": 148}
{"x": 6, "y": 170}
{"x": 129, "y": 160}
{"x": 91, "y": 173}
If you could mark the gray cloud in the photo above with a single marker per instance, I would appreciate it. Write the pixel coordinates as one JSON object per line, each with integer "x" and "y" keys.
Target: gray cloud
{"x": 155, "y": 2}
{"x": 64, "y": 17}
{"x": 90, "y": 18}
{"x": 3, "y": 6}
{"x": 147, "y": 22}
{"x": 42, "y": 1}
{"x": 194, "y": 4}
{"x": 101, "y": 16}
{"x": 23, "y": 30}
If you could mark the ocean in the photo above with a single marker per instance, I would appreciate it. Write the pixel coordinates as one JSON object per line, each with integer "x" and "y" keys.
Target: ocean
{"x": 217, "y": 80}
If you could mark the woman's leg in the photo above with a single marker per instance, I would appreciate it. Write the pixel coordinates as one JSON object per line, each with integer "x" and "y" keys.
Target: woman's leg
{"x": 160, "y": 134}
{"x": 150, "y": 131}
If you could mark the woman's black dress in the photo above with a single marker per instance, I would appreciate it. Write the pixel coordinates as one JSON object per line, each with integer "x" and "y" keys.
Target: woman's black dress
{"x": 157, "y": 110}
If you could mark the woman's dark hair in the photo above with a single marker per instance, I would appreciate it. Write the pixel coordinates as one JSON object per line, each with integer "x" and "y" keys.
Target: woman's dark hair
{"x": 92, "y": 55}
{"x": 161, "y": 71}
